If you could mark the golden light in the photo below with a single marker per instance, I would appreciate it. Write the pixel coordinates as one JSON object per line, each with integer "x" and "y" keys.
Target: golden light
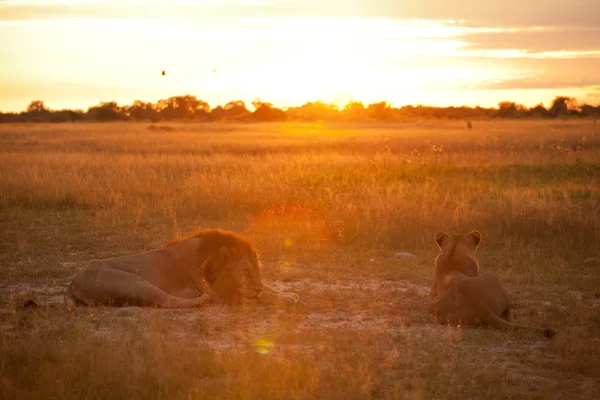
{"x": 264, "y": 346}
{"x": 290, "y": 224}
{"x": 287, "y": 61}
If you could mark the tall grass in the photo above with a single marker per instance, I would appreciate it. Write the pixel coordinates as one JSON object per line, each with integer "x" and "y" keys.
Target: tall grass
{"x": 323, "y": 203}
{"x": 382, "y": 188}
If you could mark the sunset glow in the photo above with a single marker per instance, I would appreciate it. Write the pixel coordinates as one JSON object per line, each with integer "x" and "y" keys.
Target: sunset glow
{"x": 76, "y": 54}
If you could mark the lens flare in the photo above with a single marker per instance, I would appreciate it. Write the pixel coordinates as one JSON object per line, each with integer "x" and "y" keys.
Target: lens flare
{"x": 293, "y": 224}
{"x": 263, "y": 346}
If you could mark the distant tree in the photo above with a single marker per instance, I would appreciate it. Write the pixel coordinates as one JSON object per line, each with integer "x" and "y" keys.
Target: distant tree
{"x": 36, "y": 112}
{"x": 426, "y": 112}
{"x": 314, "y": 111}
{"x": 217, "y": 113}
{"x": 539, "y": 111}
{"x": 188, "y": 107}
{"x": 573, "y": 106}
{"x": 37, "y": 106}
{"x": 508, "y": 109}
{"x": 354, "y": 110}
{"x": 405, "y": 112}
{"x": 106, "y": 111}
{"x": 66, "y": 116}
{"x": 11, "y": 117}
{"x": 590, "y": 111}
{"x": 142, "y": 111}
{"x": 563, "y": 106}
{"x": 266, "y": 112}
{"x": 380, "y": 111}
{"x": 236, "y": 110}
{"x": 183, "y": 107}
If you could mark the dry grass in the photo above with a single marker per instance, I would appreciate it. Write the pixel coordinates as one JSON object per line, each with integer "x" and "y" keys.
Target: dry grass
{"x": 327, "y": 206}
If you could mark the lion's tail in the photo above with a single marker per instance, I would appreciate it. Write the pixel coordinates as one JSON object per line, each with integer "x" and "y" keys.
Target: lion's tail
{"x": 70, "y": 301}
{"x": 546, "y": 332}
{"x": 497, "y": 322}
{"x": 28, "y": 302}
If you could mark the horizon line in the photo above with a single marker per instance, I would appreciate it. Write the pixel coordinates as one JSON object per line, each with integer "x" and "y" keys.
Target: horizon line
{"x": 339, "y": 104}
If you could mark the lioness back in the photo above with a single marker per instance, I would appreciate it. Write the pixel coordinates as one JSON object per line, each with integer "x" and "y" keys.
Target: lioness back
{"x": 461, "y": 295}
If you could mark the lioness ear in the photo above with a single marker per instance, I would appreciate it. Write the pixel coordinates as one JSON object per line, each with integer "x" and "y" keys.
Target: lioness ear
{"x": 226, "y": 254}
{"x": 440, "y": 238}
{"x": 475, "y": 237}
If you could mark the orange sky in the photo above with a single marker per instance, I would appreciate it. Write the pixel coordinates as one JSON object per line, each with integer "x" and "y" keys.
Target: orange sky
{"x": 74, "y": 54}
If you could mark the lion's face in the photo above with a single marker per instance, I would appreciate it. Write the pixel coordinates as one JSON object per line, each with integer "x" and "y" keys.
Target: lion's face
{"x": 236, "y": 276}
{"x": 457, "y": 253}
{"x": 246, "y": 275}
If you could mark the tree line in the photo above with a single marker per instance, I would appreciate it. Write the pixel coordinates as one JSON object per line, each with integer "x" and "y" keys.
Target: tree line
{"x": 189, "y": 108}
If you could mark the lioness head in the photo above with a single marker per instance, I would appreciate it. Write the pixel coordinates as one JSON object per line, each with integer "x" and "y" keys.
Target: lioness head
{"x": 233, "y": 275}
{"x": 457, "y": 254}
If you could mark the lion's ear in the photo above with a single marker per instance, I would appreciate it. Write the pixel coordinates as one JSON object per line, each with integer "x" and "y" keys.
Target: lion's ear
{"x": 475, "y": 236}
{"x": 440, "y": 238}
{"x": 226, "y": 254}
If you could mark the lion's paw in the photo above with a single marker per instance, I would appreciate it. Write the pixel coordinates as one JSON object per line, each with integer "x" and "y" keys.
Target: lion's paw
{"x": 203, "y": 300}
{"x": 290, "y": 299}
{"x": 285, "y": 299}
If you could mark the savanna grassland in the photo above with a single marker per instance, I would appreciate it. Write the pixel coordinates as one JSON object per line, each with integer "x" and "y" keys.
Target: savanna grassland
{"x": 328, "y": 206}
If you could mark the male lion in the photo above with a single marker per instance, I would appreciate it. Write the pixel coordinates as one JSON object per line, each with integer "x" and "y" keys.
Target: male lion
{"x": 175, "y": 276}
{"x": 460, "y": 295}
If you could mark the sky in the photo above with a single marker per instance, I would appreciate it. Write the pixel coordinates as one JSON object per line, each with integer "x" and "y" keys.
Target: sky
{"x": 76, "y": 54}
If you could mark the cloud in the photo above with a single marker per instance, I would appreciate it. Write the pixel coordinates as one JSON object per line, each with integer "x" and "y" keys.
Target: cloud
{"x": 550, "y": 74}
{"x": 534, "y": 83}
{"x": 541, "y": 40}
{"x": 499, "y": 13}
{"x": 474, "y": 12}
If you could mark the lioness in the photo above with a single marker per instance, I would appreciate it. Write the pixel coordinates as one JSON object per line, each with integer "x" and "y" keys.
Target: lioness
{"x": 460, "y": 295}
{"x": 175, "y": 276}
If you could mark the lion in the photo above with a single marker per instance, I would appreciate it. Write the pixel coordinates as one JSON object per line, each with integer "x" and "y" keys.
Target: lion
{"x": 177, "y": 276}
{"x": 460, "y": 295}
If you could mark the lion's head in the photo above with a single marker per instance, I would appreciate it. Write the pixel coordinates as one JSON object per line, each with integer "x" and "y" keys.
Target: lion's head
{"x": 457, "y": 253}
{"x": 233, "y": 276}
{"x": 230, "y": 266}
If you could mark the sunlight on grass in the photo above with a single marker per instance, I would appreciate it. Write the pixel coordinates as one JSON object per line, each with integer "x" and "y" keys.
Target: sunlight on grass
{"x": 328, "y": 206}
{"x": 263, "y": 346}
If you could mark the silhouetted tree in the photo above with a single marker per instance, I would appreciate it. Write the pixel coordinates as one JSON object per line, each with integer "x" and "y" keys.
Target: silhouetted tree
{"x": 590, "y": 111}
{"x": 37, "y": 112}
{"x": 188, "y": 107}
{"x": 183, "y": 107}
{"x": 236, "y": 110}
{"x": 354, "y": 110}
{"x": 106, "y": 111}
{"x": 380, "y": 111}
{"x": 37, "y": 106}
{"x": 266, "y": 112}
{"x": 508, "y": 109}
{"x": 314, "y": 111}
{"x": 66, "y": 116}
{"x": 217, "y": 113}
{"x": 563, "y": 106}
{"x": 142, "y": 111}
{"x": 539, "y": 111}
